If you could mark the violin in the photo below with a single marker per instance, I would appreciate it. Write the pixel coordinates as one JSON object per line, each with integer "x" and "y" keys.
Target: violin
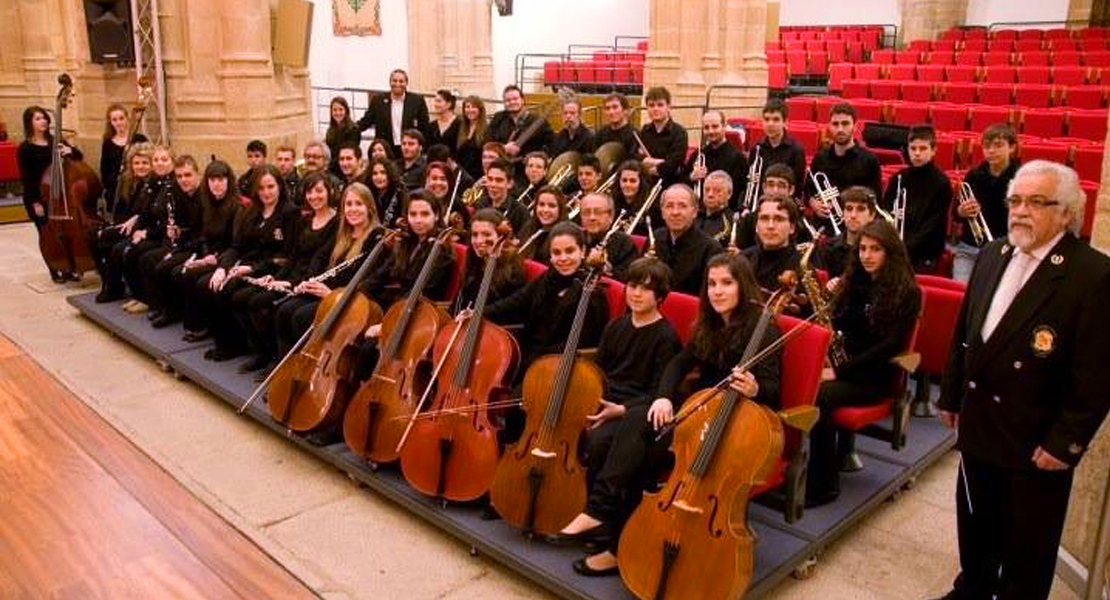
{"x": 72, "y": 188}
{"x": 691, "y": 539}
{"x": 540, "y": 485}
{"x": 310, "y": 388}
{"x": 371, "y": 426}
{"x": 453, "y": 451}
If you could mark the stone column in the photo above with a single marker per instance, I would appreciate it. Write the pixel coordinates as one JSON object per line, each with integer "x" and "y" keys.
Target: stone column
{"x": 450, "y": 45}
{"x": 926, "y": 19}
{"x": 1079, "y": 10}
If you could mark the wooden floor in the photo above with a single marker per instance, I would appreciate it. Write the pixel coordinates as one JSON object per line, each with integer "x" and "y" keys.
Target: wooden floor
{"x": 84, "y": 514}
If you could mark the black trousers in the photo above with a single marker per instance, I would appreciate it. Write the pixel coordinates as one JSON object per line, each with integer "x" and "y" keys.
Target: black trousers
{"x": 292, "y": 318}
{"x": 102, "y": 244}
{"x": 129, "y": 266}
{"x": 253, "y": 309}
{"x": 825, "y": 449}
{"x": 633, "y": 463}
{"x": 1009, "y": 529}
{"x": 156, "y": 268}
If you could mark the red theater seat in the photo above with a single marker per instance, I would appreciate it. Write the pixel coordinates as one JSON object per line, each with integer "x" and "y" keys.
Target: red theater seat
{"x": 807, "y": 134}
{"x": 949, "y": 117}
{"x": 982, "y": 117}
{"x": 882, "y": 57}
{"x": 458, "y": 274}
{"x": 909, "y": 113}
{"x": 868, "y": 71}
{"x": 822, "y": 110}
{"x": 974, "y": 46}
{"x": 917, "y": 91}
{"x": 838, "y": 73}
{"x": 533, "y": 269}
{"x": 796, "y": 62}
{"x": 1034, "y": 95}
{"x": 838, "y": 51}
{"x": 907, "y": 57}
{"x": 614, "y": 297}
{"x": 1087, "y": 124}
{"x": 1099, "y": 59}
{"x": 1028, "y": 45}
{"x": 1045, "y": 150}
{"x": 946, "y": 152}
{"x": 968, "y": 58}
{"x": 997, "y": 58}
{"x": 902, "y": 72}
{"x": 1066, "y": 58}
{"x": 882, "y": 89}
{"x": 1067, "y": 75}
{"x": 959, "y": 93}
{"x": 1088, "y": 161}
{"x": 681, "y": 310}
{"x": 942, "y": 57}
{"x": 867, "y": 109}
{"x": 818, "y": 63}
{"x": 995, "y": 94}
{"x": 1091, "y": 189}
{"x": 960, "y": 73}
{"x": 1044, "y": 122}
{"x": 930, "y": 73}
{"x": 1083, "y": 96}
{"x": 1033, "y": 74}
{"x": 1033, "y": 59}
{"x": 857, "y": 88}
{"x": 1000, "y": 74}
{"x": 940, "y": 309}
{"x": 800, "y": 107}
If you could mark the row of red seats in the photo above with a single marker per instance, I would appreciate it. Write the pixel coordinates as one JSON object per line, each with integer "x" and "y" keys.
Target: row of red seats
{"x": 1008, "y": 45}
{"x": 593, "y": 73}
{"x": 1028, "y": 95}
{"x": 960, "y": 33}
{"x": 1092, "y": 58}
{"x": 637, "y": 56}
{"x": 1062, "y": 75}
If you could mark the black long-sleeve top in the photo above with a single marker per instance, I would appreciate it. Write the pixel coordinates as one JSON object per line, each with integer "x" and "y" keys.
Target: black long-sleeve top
{"x": 871, "y": 345}
{"x": 502, "y": 128}
{"x": 393, "y": 279}
{"x": 669, "y": 144}
{"x": 508, "y": 277}
{"x": 723, "y": 157}
{"x": 512, "y": 210}
{"x": 337, "y": 137}
{"x": 33, "y": 161}
{"x": 217, "y": 226}
{"x": 990, "y": 192}
{"x": 833, "y": 255}
{"x": 620, "y": 252}
{"x": 858, "y": 166}
{"x": 634, "y": 358}
{"x": 156, "y": 212}
{"x": 304, "y": 247}
{"x": 546, "y": 306}
{"x": 769, "y": 264}
{"x": 623, "y": 135}
{"x": 111, "y": 159}
{"x": 713, "y": 224}
{"x": 687, "y": 257}
{"x": 448, "y": 137}
{"x": 259, "y": 240}
{"x": 928, "y": 200}
{"x": 139, "y": 201}
{"x": 581, "y": 140}
{"x": 322, "y": 261}
{"x": 789, "y": 152}
{"x": 469, "y": 156}
{"x": 712, "y": 369}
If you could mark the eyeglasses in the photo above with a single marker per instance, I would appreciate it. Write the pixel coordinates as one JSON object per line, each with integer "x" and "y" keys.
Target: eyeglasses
{"x": 592, "y": 212}
{"x": 1034, "y": 202}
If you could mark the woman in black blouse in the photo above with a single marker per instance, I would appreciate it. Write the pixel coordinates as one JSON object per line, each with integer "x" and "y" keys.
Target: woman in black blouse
{"x": 549, "y": 210}
{"x": 472, "y": 134}
{"x": 875, "y": 313}
{"x": 253, "y": 304}
{"x": 114, "y": 144}
{"x": 726, "y": 322}
{"x": 444, "y": 128}
{"x": 342, "y": 131}
{"x": 508, "y": 275}
{"x": 385, "y": 184}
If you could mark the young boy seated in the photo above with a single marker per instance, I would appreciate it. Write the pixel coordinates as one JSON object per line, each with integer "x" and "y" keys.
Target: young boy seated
{"x": 988, "y": 182}
{"x": 833, "y": 254}
{"x": 928, "y": 199}
{"x": 256, "y": 157}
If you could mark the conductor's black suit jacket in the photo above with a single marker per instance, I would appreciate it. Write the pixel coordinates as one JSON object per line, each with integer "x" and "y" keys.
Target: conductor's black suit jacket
{"x": 1041, "y": 379}
{"x": 380, "y": 116}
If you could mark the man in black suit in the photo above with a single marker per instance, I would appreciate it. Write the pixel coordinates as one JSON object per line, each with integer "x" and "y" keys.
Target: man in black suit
{"x": 391, "y": 114}
{"x": 1026, "y": 386}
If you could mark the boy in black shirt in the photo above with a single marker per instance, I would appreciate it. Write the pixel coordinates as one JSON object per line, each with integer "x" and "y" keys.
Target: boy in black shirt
{"x": 832, "y": 254}
{"x": 989, "y": 182}
{"x": 256, "y": 157}
{"x": 664, "y": 140}
{"x": 777, "y": 147}
{"x": 928, "y": 199}
{"x": 844, "y": 162}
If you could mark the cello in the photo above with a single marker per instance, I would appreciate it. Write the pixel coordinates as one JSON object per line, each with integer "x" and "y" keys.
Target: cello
{"x": 453, "y": 453}
{"x": 691, "y": 539}
{"x": 540, "y": 485}
{"x": 371, "y": 426}
{"x": 311, "y": 386}
{"x": 72, "y": 188}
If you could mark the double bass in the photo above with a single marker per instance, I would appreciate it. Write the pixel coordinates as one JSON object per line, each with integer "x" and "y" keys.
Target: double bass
{"x": 371, "y": 426}
{"x": 540, "y": 485}
{"x": 691, "y": 539}
{"x": 72, "y": 189}
{"x": 452, "y": 452}
{"x": 311, "y": 386}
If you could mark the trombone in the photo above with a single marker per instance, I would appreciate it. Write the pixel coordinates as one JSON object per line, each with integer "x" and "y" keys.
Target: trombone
{"x": 557, "y": 180}
{"x": 755, "y": 177}
{"x": 574, "y": 204}
{"x": 828, "y": 194}
{"x": 980, "y": 230}
{"x": 652, "y": 196}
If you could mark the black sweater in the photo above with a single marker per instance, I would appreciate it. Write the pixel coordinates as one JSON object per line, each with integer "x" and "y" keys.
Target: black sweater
{"x": 712, "y": 369}
{"x": 217, "y": 225}
{"x": 871, "y": 345}
{"x": 769, "y": 264}
{"x": 623, "y": 136}
{"x": 33, "y": 162}
{"x": 789, "y": 152}
{"x": 928, "y": 200}
{"x": 393, "y": 279}
{"x": 305, "y": 245}
{"x": 634, "y": 358}
{"x": 990, "y": 191}
{"x": 687, "y": 257}
{"x": 668, "y": 144}
{"x": 546, "y": 307}
{"x": 259, "y": 241}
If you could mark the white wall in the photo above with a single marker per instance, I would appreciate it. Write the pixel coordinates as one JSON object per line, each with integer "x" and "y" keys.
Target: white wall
{"x": 852, "y": 12}
{"x": 985, "y": 12}
{"x": 549, "y": 26}
{"x": 358, "y": 61}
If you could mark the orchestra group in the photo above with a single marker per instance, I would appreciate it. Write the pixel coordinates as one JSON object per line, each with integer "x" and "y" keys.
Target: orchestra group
{"x": 263, "y": 263}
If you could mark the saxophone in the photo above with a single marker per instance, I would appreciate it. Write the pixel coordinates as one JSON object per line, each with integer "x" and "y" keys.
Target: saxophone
{"x": 822, "y": 306}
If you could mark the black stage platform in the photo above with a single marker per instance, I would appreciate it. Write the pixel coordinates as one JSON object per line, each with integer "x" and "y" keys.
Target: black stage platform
{"x": 781, "y": 549}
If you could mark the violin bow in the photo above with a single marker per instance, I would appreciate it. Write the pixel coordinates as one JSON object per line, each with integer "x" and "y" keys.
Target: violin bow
{"x": 266, "y": 382}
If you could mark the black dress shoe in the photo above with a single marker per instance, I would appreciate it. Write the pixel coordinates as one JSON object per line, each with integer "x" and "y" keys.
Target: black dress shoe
{"x": 261, "y": 376}
{"x": 254, "y": 364}
{"x": 822, "y": 499}
{"x": 582, "y": 568}
{"x": 153, "y": 314}
{"x": 72, "y": 276}
{"x": 594, "y": 536}
{"x": 108, "y": 296}
{"x": 57, "y": 277}
{"x": 195, "y": 336}
{"x": 163, "y": 320}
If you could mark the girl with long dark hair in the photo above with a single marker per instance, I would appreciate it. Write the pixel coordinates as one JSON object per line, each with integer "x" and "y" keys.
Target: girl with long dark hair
{"x": 342, "y": 131}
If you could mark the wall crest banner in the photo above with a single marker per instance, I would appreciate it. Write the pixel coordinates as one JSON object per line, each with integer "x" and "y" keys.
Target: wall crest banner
{"x": 356, "y": 17}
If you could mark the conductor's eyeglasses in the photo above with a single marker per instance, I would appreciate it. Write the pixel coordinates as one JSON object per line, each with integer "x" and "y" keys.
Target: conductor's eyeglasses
{"x": 1036, "y": 202}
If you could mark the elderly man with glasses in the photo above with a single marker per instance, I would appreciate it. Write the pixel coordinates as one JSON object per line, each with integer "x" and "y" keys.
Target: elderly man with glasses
{"x": 1026, "y": 386}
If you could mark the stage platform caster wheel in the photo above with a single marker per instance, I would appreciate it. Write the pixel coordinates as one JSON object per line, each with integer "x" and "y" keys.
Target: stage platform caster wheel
{"x": 910, "y": 483}
{"x": 165, "y": 366}
{"x": 895, "y": 495}
{"x": 474, "y": 551}
{"x": 179, "y": 376}
{"x": 805, "y": 570}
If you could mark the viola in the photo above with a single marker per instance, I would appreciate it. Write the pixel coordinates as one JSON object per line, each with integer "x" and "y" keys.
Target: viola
{"x": 691, "y": 539}
{"x": 540, "y": 485}
{"x": 373, "y": 424}
{"x": 452, "y": 452}
{"x": 72, "y": 188}
{"x": 311, "y": 386}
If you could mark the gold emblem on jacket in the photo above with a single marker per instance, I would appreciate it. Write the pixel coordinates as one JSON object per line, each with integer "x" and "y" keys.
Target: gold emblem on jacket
{"x": 1044, "y": 340}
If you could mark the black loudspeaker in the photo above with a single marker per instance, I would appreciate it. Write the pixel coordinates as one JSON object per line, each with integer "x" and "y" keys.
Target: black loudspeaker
{"x": 109, "y": 27}
{"x": 885, "y": 135}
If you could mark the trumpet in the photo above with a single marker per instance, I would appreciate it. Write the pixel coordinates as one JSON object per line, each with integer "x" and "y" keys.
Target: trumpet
{"x": 699, "y": 187}
{"x": 829, "y": 195}
{"x": 651, "y": 238}
{"x": 755, "y": 176}
{"x": 652, "y": 196}
{"x": 980, "y": 230}
{"x": 899, "y": 209}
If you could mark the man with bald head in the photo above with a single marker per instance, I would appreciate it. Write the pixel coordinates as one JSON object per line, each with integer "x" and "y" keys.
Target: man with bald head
{"x": 719, "y": 155}
{"x": 1026, "y": 386}
{"x": 619, "y": 251}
